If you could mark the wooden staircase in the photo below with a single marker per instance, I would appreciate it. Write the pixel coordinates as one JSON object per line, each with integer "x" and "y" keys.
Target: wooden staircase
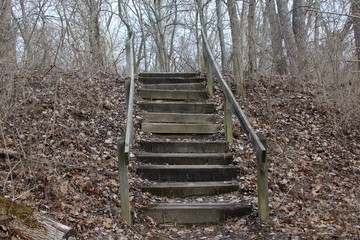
{"x": 184, "y": 162}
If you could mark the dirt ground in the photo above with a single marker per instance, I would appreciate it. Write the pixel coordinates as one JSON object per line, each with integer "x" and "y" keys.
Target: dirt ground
{"x": 65, "y": 127}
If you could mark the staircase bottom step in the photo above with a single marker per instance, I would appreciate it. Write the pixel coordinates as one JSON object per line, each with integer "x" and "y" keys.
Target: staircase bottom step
{"x": 184, "y": 189}
{"x": 196, "y": 213}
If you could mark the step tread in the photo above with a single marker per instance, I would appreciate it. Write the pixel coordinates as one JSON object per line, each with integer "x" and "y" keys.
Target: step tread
{"x": 170, "y": 167}
{"x": 196, "y": 213}
{"x": 180, "y": 128}
{"x": 181, "y": 155}
{"x": 174, "y": 86}
{"x": 165, "y": 74}
{"x": 198, "y": 205}
{"x": 185, "y": 158}
{"x": 184, "y": 147}
{"x": 178, "y": 117}
{"x": 178, "y": 107}
{"x": 192, "y": 184}
{"x": 186, "y": 95}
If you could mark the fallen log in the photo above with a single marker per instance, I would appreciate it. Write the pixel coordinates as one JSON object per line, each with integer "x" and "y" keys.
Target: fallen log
{"x": 20, "y": 220}
{"x": 7, "y": 153}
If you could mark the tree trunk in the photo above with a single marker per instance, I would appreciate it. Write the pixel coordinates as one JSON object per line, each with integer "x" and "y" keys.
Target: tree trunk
{"x": 355, "y": 5}
{"x": 288, "y": 35}
{"x": 300, "y": 33}
{"x": 251, "y": 40}
{"x": 7, "y": 37}
{"x": 236, "y": 45}
{"x": 220, "y": 29}
{"x": 96, "y": 53}
{"x": 19, "y": 219}
{"x": 278, "y": 55}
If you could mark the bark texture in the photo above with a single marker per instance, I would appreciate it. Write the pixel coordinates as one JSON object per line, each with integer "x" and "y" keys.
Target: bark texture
{"x": 356, "y": 23}
{"x": 236, "y": 45}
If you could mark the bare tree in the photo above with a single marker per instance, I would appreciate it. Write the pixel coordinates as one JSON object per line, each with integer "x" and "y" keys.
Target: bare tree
{"x": 93, "y": 24}
{"x": 7, "y": 37}
{"x": 355, "y": 5}
{"x": 220, "y": 29}
{"x": 278, "y": 55}
{"x": 288, "y": 35}
{"x": 251, "y": 40}
{"x": 236, "y": 45}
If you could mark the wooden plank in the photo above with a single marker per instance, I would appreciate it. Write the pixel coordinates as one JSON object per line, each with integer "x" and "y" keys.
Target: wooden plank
{"x": 175, "y": 86}
{"x": 124, "y": 182}
{"x": 187, "y": 173}
{"x": 185, "y": 189}
{"x": 177, "y": 117}
{"x": 185, "y": 95}
{"x": 171, "y": 107}
{"x": 184, "y": 147}
{"x": 170, "y": 80}
{"x": 179, "y": 128}
{"x": 169, "y": 74}
{"x": 196, "y": 213}
{"x": 185, "y": 158}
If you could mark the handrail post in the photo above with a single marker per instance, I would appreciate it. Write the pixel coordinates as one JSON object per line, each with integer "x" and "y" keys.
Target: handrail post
{"x": 209, "y": 73}
{"x": 124, "y": 183}
{"x": 228, "y": 120}
{"x": 262, "y": 180}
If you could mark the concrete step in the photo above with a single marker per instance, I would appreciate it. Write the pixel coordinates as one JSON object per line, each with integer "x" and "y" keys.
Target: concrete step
{"x": 179, "y": 128}
{"x": 187, "y": 173}
{"x": 169, "y": 74}
{"x": 185, "y": 158}
{"x": 185, "y": 189}
{"x": 196, "y": 213}
{"x": 184, "y": 147}
{"x": 177, "y": 118}
{"x": 176, "y": 86}
{"x": 179, "y": 95}
{"x": 174, "y": 107}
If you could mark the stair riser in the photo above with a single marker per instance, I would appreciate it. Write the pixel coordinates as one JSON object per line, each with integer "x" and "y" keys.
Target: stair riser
{"x": 190, "y": 191}
{"x": 199, "y": 215}
{"x": 188, "y": 175}
{"x": 179, "y": 128}
{"x": 176, "y": 86}
{"x": 170, "y": 80}
{"x": 173, "y": 95}
{"x": 184, "y": 147}
{"x": 185, "y": 161}
{"x": 169, "y": 74}
{"x": 177, "y": 107}
{"x": 178, "y": 118}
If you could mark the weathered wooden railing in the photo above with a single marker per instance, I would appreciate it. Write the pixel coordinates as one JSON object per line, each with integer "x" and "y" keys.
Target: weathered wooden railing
{"x": 125, "y": 141}
{"x": 231, "y": 105}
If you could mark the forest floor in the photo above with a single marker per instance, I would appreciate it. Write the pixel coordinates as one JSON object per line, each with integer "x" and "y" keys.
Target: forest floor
{"x": 65, "y": 128}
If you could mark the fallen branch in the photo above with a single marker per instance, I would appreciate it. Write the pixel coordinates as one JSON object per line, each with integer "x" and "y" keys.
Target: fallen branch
{"x": 7, "y": 153}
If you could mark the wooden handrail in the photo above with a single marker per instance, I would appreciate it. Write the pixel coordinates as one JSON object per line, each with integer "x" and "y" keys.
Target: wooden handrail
{"x": 260, "y": 149}
{"x": 124, "y": 142}
{"x": 130, "y": 65}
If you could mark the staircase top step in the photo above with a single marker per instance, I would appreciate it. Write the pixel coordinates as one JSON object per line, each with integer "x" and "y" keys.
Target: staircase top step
{"x": 169, "y": 74}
